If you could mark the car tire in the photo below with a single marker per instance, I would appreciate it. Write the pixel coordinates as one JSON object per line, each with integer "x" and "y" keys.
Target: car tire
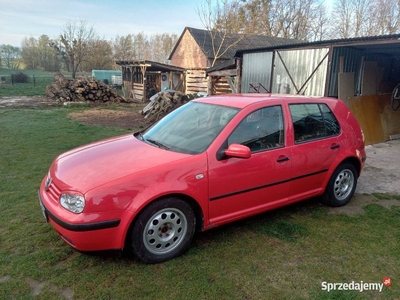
{"x": 163, "y": 230}
{"x": 341, "y": 185}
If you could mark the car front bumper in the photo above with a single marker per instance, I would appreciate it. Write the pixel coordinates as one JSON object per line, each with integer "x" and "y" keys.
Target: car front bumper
{"x": 81, "y": 235}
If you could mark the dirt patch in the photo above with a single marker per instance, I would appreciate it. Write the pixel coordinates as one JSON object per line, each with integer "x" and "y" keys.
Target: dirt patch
{"x": 28, "y": 102}
{"x": 129, "y": 117}
{"x": 356, "y": 204}
{"x": 126, "y": 116}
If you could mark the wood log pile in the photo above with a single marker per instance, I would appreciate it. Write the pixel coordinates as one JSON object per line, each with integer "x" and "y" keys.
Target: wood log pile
{"x": 163, "y": 103}
{"x": 81, "y": 90}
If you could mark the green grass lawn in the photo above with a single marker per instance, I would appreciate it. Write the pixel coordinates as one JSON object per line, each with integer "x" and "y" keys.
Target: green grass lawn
{"x": 284, "y": 254}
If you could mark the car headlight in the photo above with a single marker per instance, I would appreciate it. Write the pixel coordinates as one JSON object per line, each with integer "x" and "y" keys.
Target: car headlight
{"x": 72, "y": 202}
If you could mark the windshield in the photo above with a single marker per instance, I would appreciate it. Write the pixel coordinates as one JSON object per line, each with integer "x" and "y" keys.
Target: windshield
{"x": 190, "y": 128}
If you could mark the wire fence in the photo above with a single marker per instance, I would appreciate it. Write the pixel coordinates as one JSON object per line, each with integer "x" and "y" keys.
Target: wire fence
{"x": 35, "y": 80}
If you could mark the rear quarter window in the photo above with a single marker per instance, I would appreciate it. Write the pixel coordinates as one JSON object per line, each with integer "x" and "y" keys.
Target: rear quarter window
{"x": 313, "y": 121}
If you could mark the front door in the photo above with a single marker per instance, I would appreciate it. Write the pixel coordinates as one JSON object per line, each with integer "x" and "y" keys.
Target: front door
{"x": 242, "y": 187}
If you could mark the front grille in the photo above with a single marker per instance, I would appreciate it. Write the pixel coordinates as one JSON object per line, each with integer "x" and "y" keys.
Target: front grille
{"x": 53, "y": 192}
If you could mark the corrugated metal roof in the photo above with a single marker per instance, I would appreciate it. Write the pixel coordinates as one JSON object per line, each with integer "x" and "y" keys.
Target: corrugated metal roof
{"x": 381, "y": 44}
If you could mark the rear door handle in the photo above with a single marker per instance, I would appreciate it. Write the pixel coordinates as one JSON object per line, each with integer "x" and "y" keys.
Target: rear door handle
{"x": 282, "y": 158}
{"x": 335, "y": 146}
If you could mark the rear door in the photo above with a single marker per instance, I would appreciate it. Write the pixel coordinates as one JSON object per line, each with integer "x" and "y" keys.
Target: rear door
{"x": 315, "y": 147}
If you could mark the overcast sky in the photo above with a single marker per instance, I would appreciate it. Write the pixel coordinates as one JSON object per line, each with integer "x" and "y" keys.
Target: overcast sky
{"x": 32, "y": 18}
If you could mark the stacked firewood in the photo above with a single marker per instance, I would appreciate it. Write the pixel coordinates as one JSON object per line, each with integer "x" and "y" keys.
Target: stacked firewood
{"x": 163, "y": 103}
{"x": 81, "y": 90}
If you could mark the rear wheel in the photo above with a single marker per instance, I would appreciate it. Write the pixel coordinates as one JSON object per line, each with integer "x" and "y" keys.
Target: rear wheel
{"x": 341, "y": 186}
{"x": 163, "y": 230}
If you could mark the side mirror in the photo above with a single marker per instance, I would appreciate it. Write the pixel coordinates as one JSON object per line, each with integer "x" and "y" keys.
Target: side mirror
{"x": 238, "y": 151}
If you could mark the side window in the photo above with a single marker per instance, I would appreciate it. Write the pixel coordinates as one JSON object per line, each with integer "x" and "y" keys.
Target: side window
{"x": 313, "y": 121}
{"x": 261, "y": 130}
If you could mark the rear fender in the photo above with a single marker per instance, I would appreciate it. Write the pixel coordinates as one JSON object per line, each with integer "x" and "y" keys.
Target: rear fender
{"x": 348, "y": 156}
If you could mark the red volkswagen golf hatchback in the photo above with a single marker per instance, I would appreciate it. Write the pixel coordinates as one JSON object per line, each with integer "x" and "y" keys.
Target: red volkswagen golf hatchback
{"x": 210, "y": 162}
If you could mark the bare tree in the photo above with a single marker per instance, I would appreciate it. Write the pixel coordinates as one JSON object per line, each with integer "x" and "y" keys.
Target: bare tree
{"x": 161, "y": 46}
{"x": 10, "y": 56}
{"x": 218, "y": 19}
{"x": 48, "y": 58}
{"x": 342, "y": 16}
{"x": 362, "y": 9}
{"x": 123, "y": 48}
{"x": 297, "y": 19}
{"x": 356, "y": 18}
{"x": 141, "y": 46}
{"x": 38, "y": 54}
{"x": 100, "y": 56}
{"x": 73, "y": 44}
{"x": 386, "y": 16}
{"x": 29, "y": 53}
{"x": 319, "y": 27}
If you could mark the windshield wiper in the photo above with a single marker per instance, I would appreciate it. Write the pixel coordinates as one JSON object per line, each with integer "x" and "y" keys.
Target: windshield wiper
{"x": 160, "y": 145}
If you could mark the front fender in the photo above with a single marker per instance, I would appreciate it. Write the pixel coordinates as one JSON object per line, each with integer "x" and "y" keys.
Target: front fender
{"x": 188, "y": 178}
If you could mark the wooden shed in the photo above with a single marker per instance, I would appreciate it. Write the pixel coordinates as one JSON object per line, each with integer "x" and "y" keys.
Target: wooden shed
{"x": 144, "y": 78}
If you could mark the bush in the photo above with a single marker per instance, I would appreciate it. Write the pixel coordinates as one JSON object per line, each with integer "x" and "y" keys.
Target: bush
{"x": 19, "y": 78}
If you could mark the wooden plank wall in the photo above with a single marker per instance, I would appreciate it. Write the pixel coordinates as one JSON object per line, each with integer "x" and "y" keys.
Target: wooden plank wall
{"x": 127, "y": 88}
{"x": 196, "y": 81}
{"x": 376, "y": 117}
{"x": 220, "y": 86}
{"x": 135, "y": 94}
{"x": 137, "y": 91}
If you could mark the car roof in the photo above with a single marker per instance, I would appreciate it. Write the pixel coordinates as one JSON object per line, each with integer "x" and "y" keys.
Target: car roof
{"x": 243, "y": 100}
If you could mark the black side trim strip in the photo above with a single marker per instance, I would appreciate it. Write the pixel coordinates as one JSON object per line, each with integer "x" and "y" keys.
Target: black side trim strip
{"x": 311, "y": 174}
{"x": 83, "y": 227}
{"x": 265, "y": 185}
{"x": 248, "y": 190}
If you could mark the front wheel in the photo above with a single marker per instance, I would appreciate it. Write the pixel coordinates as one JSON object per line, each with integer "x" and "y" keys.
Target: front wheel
{"x": 341, "y": 186}
{"x": 163, "y": 230}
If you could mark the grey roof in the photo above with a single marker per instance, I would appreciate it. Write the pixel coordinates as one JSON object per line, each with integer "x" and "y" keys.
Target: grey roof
{"x": 203, "y": 39}
{"x": 382, "y": 44}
